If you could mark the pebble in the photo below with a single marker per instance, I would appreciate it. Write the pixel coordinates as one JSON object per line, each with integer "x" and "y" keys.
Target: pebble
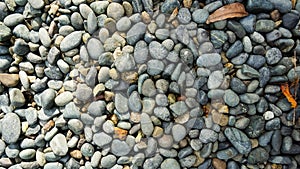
{"x": 120, "y": 148}
{"x": 58, "y": 145}
{"x": 9, "y": 80}
{"x": 92, "y": 23}
{"x": 71, "y": 41}
{"x": 16, "y": 97}
{"x": 27, "y": 154}
{"x": 235, "y": 49}
{"x": 11, "y": 123}
{"x": 264, "y": 25}
{"x": 231, "y": 98}
{"x": 108, "y": 161}
{"x": 169, "y": 5}
{"x": 239, "y": 140}
{"x": 101, "y": 139}
{"x": 200, "y": 15}
{"x": 170, "y": 163}
{"x": 184, "y": 15}
{"x": 123, "y": 24}
{"x": 273, "y": 56}
{"x": 290, "y": 20}
{"x": 146, "y": 124}
{"x": 178, "y": 132}
{"x": 13, "y": 19}
{"x": 63, "y": 98}
{"x": 215, "y": 79}
{"x": 135, "y": 33}
{"x": 157, "y": 50}
{"x": 237, "y": 28}
{"x": 208, "y": 136}
{"x": 258, "y": 155}
{"x": 115, "y": 10}
{"x": 208, "y": 60}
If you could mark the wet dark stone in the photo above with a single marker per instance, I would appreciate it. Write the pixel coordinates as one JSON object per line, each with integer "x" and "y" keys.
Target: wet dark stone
{"x": 255, "y": 127}
{"x": 290, "y": 20}
{"x": 237, "y": 28}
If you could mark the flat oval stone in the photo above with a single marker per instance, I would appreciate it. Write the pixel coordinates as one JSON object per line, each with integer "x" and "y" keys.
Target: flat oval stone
{"x": 71, "y": 41}
{"x": 59, "y": 145}
{"x": 11, "y": 124}
{"x": 208, "y": 60}
{"x": 238, "y": 139}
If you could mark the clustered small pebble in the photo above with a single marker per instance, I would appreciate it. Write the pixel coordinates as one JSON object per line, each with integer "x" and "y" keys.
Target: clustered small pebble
{"x": 148, "y": 84}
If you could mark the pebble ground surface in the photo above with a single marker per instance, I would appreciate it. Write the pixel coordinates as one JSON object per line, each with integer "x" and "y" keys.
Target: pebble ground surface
{"x": 149, "y": 84}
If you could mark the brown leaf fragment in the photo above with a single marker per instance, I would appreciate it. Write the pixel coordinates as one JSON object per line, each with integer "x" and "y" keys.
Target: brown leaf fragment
{"x": 234, "y": 10}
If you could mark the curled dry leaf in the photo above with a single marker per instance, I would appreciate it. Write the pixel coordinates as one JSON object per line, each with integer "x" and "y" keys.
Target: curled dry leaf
{"x": 233, "y": 10}
{"x": 286, "y": 92}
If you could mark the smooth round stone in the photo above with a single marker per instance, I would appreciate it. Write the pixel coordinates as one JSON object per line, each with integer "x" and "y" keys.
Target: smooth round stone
{"x": 120, "y": 148}
{"x": 71, "y": 41}
{"x": 92, "y": 23}
{"x": 162, "y": 113}
{"x": 256, "y": 126}
{"x": 121, "y": 103}
{"x": 157, "y": 50}
{"x": 162, "y": 34}
{"x": 268, "y": 115}
{"x": 256, "y": 61}
{"x": 135, "y": 33}
{"x": 21, "y": 31}
{"x": 99, "y": 7}
{"x": 207, "y": 60}
{"x": 47, "y": 98}
{"x": 20, "y": 47}
{"x": 178, "y": 132}
{"x": 101, "y": 139}
{"x": 123, "y": 24}
{"x": 17, "y": 98}
{"x": 274, "y": 35}
{"x": 283, "y": 6}
{"x": 5, "y": 61}
{"x": 208, "y": 136}
{"x": 108, "y": 161}
{"x": 215, "y": 79}
{"x": 248, "y": 23}
{"x": 231, "y": 98}
{"x": 290, "y": 20}
{"x": 125, "y": 62}
{"x": 184, "y": 15}
{"x": 273, "y": 56}
{"x": 258, "y": 6}
{"x": 258, "y": 155}
{"x": 169, "y": 5}
{"x": 155, "y": 67}
{"x": 170, "y": 163}
{"x": 87, "y": 149}
{"x": 75, "y": 125}
{"x": 237, "y": 28}
{"x": 146, "y": 124}
{"x": 115, "y": 10}
{"x": 148, "y": 88}
{"x": 84, "y": 10}
{"x": 264, "y": 25}
{"x": 3, "y": 10}
{"x": 83, "y": 92}
{"x": 200, "y": 15}
{"x": 12, "y": 125}
{"x": 27, "y": 154}
{"x": 94, "y": 48}
{"x": 242, "y": 123}
{"x": 235, "y": 49}
{"x": 76, "y": 21}
{"x": 59, "y": 145}
{"x": 63, "y": 98}
{"x": 51, "y": 165}
{"x": 13, "y": 19}
{"x": 218, "y": 38}
{"x": 247, "y": 44}
{"x": 239, "y": 140}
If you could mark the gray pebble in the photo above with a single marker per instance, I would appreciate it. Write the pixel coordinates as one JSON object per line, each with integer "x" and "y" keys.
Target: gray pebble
{"x": 200, "y": 15}
{"x": 12, "y": 125}
{"x": 59, "y": 145}
{"x": 71, "y": 41}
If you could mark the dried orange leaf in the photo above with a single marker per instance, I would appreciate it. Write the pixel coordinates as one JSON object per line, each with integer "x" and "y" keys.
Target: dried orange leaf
{"x": 286, "y": 92}
{"x": 233, "y": 10}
